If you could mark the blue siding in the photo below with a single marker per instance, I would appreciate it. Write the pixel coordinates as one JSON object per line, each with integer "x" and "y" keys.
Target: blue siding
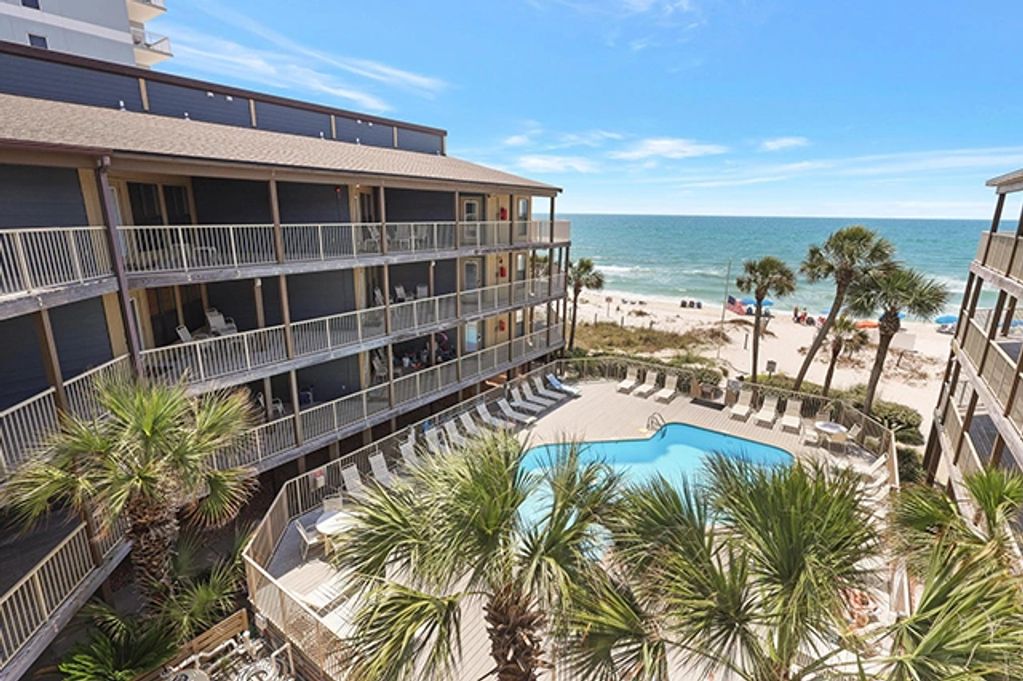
{"x": 418, "y": 205}
{"x": 301, "y": 203}
{"x": 235, "y": 299}
{"x": 174, "y": 100}
{"x": 21, "y": 363}
{"x": 80, "y": 332}
{"x": 35, "y": 196}
{"x": 226, "y": 202}
{"x": 416, "y": 140}
{"x": 364, "y": 132}
{"x": 319, "y": 294}
{"x": 328, "y": 381}
{"x": 290, "y": 119}
{"x": 63, "y": 82}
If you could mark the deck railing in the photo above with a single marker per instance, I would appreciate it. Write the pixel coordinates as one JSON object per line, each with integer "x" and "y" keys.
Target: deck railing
{"x": 32, "y": 259}
{"x": 1001, "y": 253}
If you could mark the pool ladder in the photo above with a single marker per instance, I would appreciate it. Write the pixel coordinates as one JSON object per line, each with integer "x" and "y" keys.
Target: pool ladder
{"x": 655, "y": 422}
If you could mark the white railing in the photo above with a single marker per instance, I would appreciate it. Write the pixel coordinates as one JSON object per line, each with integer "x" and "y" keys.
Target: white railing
{"x": 167, "y": 248}
{"x": 83, "y": 390}
{"x": 26, "y": 429}
{"x": 424, "y": 312}
{"x": 37, "y": 258}
{"x": 419, "y": 237}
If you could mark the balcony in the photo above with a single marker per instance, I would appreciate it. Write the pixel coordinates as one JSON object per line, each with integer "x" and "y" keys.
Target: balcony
{"x": 1002, "y": 254}
{"x": 995, "y": 363}
{"x": 150, "y": 48}
{"x": 141, "y": 11}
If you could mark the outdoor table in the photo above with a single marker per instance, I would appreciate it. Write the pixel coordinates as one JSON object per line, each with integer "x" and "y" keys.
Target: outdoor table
{"x": 829, "y": 429}
{"x": 330, "y": 523}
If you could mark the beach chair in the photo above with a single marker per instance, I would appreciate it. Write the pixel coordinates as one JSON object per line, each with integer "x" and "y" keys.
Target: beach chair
{"x": 220, "y": 325}
{"x": 371, "y": 239}
{"x": 353, "y": 481}
{"x": 743, "y": 407}
{"x": 399, "y": 294}
{"x": 434, "y": 441}
{"x": 630, "y": 382}
{"x": 521, "y": 403}
{"x": 507, "y": 410}
{"x": 378, "y": 464}
{"x": 768, "y": 412}
{"x": 186, "y": 336}
{"x": 378, "y": 297}
{"x": 527, "y": 391}
{"x": 670, "y": 389}
{"x": 542, "y": 390}
{"x": 276, "y": 405}
{"x": 558, "y": 385}
{"x": 309, "y": 538}
{"x": 649, "y": 385}
{"x": 792, "y": 420}
{"x": 408, "y": 451}
{"x": 455, "y": 438}
{"x": 422, "y": 291}
{"x": 470, "y": 426}
{"x": 491, "y": 420}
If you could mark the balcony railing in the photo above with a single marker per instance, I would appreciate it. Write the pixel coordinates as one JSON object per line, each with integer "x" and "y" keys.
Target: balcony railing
{"x": 996, "y": 369}
{"x": 151, "y": 41}
{"x": 1000, "y": 255}
{"x": 34, "y": 259}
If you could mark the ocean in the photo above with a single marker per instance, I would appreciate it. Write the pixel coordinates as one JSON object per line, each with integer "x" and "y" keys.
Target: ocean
{"x": 682, "y": 256}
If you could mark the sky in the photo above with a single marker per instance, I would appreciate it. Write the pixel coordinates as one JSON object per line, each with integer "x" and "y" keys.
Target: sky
{"x": 693, "y": 107}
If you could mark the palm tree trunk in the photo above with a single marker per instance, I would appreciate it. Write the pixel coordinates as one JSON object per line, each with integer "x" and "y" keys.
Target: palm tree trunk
{"x": 822, "y": 333}
{"x": 153, "y": 531}
{"x": 756, "y": 341}
{"x": 575, "y": 310}
{"x": 831, "y": 371}
{"x": 513, "y": 627}
{"x": 884, "y": 340}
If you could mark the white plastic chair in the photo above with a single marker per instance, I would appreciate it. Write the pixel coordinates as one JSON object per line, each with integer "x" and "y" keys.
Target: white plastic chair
{"x": 434, "y": 442}
{"x": 309, "y": 538}
{"x": 353, "y": 481}
{"x": 378, "y": 465}
{"x": 219, "y": 324}
{"x": 558, "y": 385}
{"x": 743, "y": 406}
{"x": 670, "y": 389}
{"x": 507, "y": 410}
{"x": 542, "y": 390}
{"x": 276, "y": 405}
{"x": 630, "y": 382}
{"x": 519, "y": 402}
{"x": 470, "y": 426}
{"x": 527, "y": 391}
{"x": 455, "y": 438}
{"x": 649, "y": 385}
{"x": 793, "y": 417}
{"x": 492, "y": 420}
{"x": 768, "y": 412}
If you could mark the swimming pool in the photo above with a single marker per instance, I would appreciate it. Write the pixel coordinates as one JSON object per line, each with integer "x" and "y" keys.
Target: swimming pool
{"x": 674, "y": 450}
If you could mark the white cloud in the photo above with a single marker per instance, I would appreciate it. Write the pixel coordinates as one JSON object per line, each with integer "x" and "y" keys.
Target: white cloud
{"x": 516, "y": 140}
{"x": 780, "y": 143}
{"x": 550, "y": 163}
{"x": 668, "y": 147}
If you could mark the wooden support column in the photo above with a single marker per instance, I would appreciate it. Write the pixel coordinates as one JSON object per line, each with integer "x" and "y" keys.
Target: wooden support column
{"x": 51, "y": 359}
{"x": 995, "y": 221}
{"x": 431, "y": 287}
{"x": 178, "y": 308}
{"x": 204, "y": 296}
{"x": 550, "y": 275}
{"x": 257, "y": 296}
{"x": 282, "y": 287}
{"x": 511, "y": 219}
{"x": 109, "y": 212}
{"x": 1009, "y": 314}
{"x": 388, "y": 330}
{"x": 458, "y": 219}
{"x": 382, "y": 204}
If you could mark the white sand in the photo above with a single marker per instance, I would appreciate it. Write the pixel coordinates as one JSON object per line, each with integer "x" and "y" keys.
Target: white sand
{"x": 916, "y": 381}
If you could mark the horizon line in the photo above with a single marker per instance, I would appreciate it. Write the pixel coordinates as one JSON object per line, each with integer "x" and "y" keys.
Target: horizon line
{"x": 796, "y": 217}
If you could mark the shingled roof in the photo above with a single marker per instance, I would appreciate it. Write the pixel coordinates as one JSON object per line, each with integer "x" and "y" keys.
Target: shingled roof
{"x": 39, "y": 121}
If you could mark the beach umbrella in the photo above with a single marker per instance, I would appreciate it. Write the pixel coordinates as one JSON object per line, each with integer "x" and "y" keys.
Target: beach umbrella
{"x": 946, "y": 319}
{"x": 867, "y": 324}
{"x": 768, "y": 302}
{"x": 748, "y": 301}
{"x": 1015, "y": 323}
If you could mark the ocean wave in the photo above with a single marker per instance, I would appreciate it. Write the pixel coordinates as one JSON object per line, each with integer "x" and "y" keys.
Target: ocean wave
{"x": 621, "y": 270}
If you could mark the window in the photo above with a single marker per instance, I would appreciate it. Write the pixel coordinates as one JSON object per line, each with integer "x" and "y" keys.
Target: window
{"x": 37, "y": 41}
{"x": 31, "y": 4}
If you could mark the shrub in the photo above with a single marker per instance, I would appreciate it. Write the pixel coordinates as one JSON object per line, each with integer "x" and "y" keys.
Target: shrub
{"x": 911, "y": 468}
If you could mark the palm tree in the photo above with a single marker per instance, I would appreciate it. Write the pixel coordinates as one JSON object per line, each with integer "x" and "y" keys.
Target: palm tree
{"x": 746, "y": 575}
{"x": 844, "y": 336}
{"x": 581, "y": 275}
{"x": 894, "y": 291}
{"x": 846, "y": 255}
{"x": 151, "y": 457}
{"x": 463, "y": 528}
{"x": 764, "y": 277}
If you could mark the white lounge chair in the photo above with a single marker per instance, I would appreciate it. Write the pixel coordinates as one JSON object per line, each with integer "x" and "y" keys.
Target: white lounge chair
{"x": 408, "y": 451}
{"x": 768, "y": 412}
{"x": 434, "y": 441}
{"x": 519, "y": 402}
{"x": 422, "y": 291}
{"x": 543, "y": 391}
{"x": 469, "y": 424}
{"x": 353, "y": 481}
{"x": 649, "y": 385}
{"x": 558, "y": 385}
{"x": 378, "y": 297}
{"x": 309, "y": 538}
{"x": 378, "y": 464}
{"x": 491, "y": 420}
{"x": 507, "y": 410}
{"x": 743, "y": 406}
{"x": 276, "y": 405}
{"x": 333, "y": 503}
{"x": 630, "y": 382}
{"x": 399, "y": 294}
{"x": 793, "y": 418}
{"x": 527, "y": 390}
{"x": 670, "y": 389}
{"x": 219, "y": 324}
{"x": 455, "y": 438}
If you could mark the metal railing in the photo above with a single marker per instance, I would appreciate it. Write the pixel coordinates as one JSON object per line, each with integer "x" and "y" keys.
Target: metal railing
{"x": 32, "y": 259}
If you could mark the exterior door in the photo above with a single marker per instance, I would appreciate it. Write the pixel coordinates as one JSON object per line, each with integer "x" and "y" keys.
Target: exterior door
{"x": 472, "y": 273}
{"x": 367, "y": 206}
{"x": 471, "y": 214}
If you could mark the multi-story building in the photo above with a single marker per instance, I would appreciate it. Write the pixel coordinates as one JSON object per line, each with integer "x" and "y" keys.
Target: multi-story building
{"x": 340, "y": 267}
{"x": 979, "y": 417}
{"x": 111, "y": 30}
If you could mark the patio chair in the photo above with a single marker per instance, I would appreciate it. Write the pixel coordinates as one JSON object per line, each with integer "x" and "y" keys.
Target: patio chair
{"x": 793, "y": 417}
{"x": 334, "y": 502}
{"x": 408, "y": 451}
{"x": 309, "y": 538}
{"x": 399, "y": 294}
{"x": 519, "y": 402}
{"x": 507, "y": 410}
{"x": 630, "y": 382}
{"x": 542, "y": 390}
{"x": 378, "y": 297}
{"x": 558, "y": 385}
{"x": 527, "y": 391}
{"x": 670, "y": 389}
{"x": 186, "y": 336}
{"x": 649, "y": 385}
{"x": 378, "y": 465}
{"x": 276, "y": 405}
{"x": 469, "y": 424}
{"x": 379, "y": 368}
{"x": 422, "y": 291}
{"x": 219, "y": 324}
{"x": 768, "y": 412}
{"x": 353, "y": 480}
{"x": 434, "y": 441}
{"x": 455, "y": 438}
{"x": 743, "y": 407}
{"x": 491, "y": 420}
{"x": 371, "y": 242}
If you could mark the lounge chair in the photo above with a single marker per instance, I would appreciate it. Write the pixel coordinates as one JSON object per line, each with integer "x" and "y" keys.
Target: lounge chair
{"x": 219, "y": 324}
{"x": 793, "y": 418}
{"x": 422, "y": 291}
{"x": 434, "y": 441}
{"x": 309, "y": 538}
{"x": 491, "y": 420}
{"x": 276, "y": 405}
{"x": 527, "y": 390}
{"x": 378, "y": 297}
{"x": 543, "y": 391}
{"x": 649, "y": 385}
{"x": 558, "y": 385}
{"x": 670, "y": 389}
{"x": 519, "y": 402}
{"x": 333, "y": 503}
{"x": 455, "y": 438}
{"x": 353, "y": 481}
{"x": 743, "y": 407}
{"x": 399, "y": 294}
{"x": 507, "y": 410}
{"x": 408, "y": 451}
{"x": 768, "y": 412}
{"x": 630, "y": 382}
{"x": 470, "y": 426}
{"x": 378, "y": 464}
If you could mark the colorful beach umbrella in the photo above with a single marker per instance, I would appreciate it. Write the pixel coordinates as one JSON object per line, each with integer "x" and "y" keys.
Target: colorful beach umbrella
{"x": 867, "y": 324}
{"x": 748, "y": 301}
{"x": 946, "y": 319}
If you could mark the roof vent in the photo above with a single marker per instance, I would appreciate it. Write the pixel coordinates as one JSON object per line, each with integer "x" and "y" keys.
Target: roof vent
{"x": 120, "y": 104}
{"x": 209, "y": 94}
{"x": 186, "y": 116}
{"x": 229, "y": 98}
{"x": 370, "y": 123}
{"x": 321, "y": 135}
{"x": 357, "y": 141}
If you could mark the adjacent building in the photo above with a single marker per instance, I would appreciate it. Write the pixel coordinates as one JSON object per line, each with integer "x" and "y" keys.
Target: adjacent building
{"x": 111, "y": 30}
{"x": 341, "y": 268}
{"x": 979, "y": 418}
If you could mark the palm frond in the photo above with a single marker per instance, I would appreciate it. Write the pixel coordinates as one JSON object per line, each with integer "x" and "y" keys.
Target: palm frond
{"x": 226, "y": 491}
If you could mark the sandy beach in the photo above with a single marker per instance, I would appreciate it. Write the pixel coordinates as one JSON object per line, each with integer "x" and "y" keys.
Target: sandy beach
{"x": 912, "y": 374}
